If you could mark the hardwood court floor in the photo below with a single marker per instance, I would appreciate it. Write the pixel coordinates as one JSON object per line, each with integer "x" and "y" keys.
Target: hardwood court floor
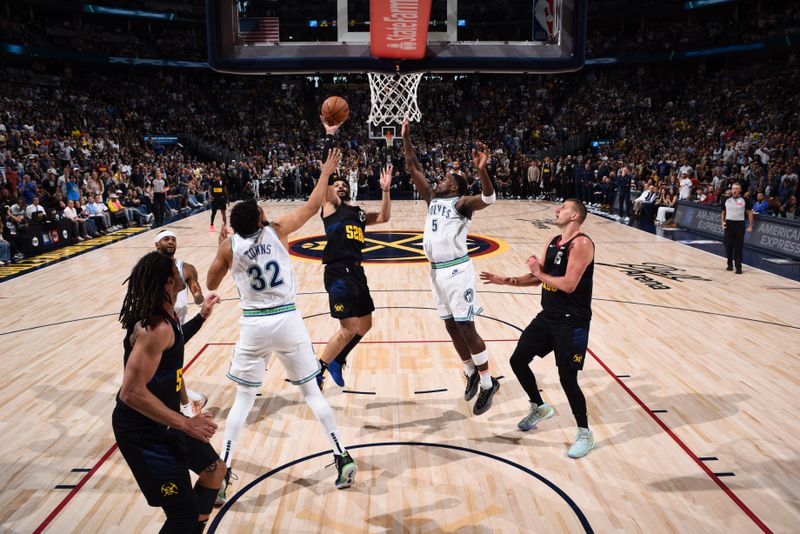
{"x": 707, "y": 367}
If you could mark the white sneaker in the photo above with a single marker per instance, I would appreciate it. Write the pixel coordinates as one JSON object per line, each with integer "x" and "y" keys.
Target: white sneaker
{"x": 584, "y": 442}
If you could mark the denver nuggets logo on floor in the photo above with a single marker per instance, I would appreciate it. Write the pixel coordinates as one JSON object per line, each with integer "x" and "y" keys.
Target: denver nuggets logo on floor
{"x": 393, "y": 246}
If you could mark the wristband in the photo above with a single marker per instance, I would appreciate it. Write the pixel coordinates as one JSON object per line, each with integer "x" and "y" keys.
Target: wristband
{"x": 490, "y": 199}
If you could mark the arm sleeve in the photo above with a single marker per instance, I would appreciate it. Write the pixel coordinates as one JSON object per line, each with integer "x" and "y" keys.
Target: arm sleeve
{"x": 191, "y": 327}
{"x": 327, "y": 146}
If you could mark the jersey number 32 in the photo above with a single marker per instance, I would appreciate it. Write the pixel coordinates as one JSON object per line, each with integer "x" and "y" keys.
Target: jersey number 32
{"x": 272, "y": 269}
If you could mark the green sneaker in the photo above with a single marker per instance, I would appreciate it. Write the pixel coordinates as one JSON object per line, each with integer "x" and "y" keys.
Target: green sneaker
{"x": 347, "y": 469}
{"x": 226, "y": 482}
{"x": 584, "y": 442}
{"x": 537, "y": 413}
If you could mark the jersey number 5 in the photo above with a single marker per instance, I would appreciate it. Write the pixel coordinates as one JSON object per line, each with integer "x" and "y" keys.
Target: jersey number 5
{"x": 259, "y": 283}
{"x": 433, "y": 225}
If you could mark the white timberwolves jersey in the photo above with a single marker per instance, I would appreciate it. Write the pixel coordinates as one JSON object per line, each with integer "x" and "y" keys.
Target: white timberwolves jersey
{"x": 445, "y": 235}
{"x": 262, "y": 270}
{"x": 182, "y": 300}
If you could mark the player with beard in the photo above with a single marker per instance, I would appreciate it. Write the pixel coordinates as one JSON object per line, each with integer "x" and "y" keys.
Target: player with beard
{"x": 452, "y": 275}
{"x": 345, "y": 282}
{"x": 167, "y": 243}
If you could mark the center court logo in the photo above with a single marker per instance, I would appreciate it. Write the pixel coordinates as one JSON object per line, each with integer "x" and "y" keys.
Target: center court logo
{"x": 393, "y": 246}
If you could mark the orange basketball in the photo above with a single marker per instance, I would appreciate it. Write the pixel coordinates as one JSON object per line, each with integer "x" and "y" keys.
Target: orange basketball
{"x": 335, "y": 110}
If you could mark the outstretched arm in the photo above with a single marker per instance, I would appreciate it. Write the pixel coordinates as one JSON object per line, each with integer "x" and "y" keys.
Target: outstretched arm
{"x": 525, "y": 280}
{"x": 386, "y": 203}
{"x": 414, "y": 166}
{"x": 192, "y": 280}
{"x": 222, "y": 262}
{"x": 291, "y": 222}
{"x": 480, "y": 157}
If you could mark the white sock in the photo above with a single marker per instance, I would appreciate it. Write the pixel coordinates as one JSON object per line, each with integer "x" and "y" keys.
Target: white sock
{"x": 322, "y": 410}
{"x": 194, "y": 396}
{"x": 469, "y": 367}
{"x": 245, "y": 398}
{"x": 486, "y": 380}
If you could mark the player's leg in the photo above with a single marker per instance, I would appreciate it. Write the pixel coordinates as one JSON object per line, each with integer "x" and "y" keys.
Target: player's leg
{"x": 159, "y": 467}
{"x": 536, "y": 340}
{"x": 297, "y": 356}
{"x": 211, "y": 475}
{"x": 247, "y": 369}
{"x": 571, "y": 343}
{"x": 351, "y": 303}
{"x": 487, "y": 385}
{"x": 214, "y": 208}
{"x": 441, "y": 299}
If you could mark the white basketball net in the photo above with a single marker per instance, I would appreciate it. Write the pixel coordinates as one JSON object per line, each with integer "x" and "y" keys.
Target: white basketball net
{"x": 394, "y": 98}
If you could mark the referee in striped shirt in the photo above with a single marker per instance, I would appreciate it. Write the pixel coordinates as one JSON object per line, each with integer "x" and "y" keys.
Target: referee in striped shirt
{"x": 733, "y": 212}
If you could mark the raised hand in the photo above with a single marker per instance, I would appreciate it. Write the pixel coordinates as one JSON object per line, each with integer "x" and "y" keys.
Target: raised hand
{"x": 480, "y": 155}
{"x": 211, "y": 300}
{"x": 386, "y": 178}
{"x": 404, "y": 131}
{"x": 332, "y": 163}
{"x": 331, "y": 129}
{"x": 490, "y": 278}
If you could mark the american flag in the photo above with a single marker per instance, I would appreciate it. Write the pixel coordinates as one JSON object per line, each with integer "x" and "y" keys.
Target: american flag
{"x": 259, "y": 29}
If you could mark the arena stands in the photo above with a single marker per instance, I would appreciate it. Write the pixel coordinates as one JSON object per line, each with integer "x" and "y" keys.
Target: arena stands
{"x": 689, "y": 129}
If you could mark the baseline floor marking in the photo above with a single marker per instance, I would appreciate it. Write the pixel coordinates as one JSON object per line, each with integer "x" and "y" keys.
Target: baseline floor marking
{"x": 578, "y": 512}
{"x": 713, "y": 476}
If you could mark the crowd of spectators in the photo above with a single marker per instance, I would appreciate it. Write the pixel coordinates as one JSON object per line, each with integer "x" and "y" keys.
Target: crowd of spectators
{"x": 683, "y": 133}
{"x": 732, "y": 24}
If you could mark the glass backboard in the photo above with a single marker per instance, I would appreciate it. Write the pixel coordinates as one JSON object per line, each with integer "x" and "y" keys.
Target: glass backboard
{"x": 332, "y": 36}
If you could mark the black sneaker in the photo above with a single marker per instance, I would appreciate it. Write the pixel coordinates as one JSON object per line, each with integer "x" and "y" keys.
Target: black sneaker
{"x": 484, "y": 401}
{"x": 472, "y": 385}
{"x": 346, "y": 468}
{"x": 729, "y": 267}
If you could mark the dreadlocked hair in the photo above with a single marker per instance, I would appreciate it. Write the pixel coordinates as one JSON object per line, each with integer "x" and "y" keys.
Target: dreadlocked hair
{"x": 144, "y": 301}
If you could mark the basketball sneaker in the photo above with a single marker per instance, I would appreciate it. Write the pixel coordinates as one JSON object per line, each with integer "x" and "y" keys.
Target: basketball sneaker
{"x": 537, "y": 413}
{"x": 346, "y": 468}
{"x": 321, "y": 378}
{"x": 472, "y": 385}
{"x": 484, "y": 401}
{"x": 226, "y": 482}
{"x": 584, "y": 442}
{"x": 335, "y": 369}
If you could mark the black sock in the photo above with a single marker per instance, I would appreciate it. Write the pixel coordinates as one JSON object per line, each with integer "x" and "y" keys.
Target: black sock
{"x": 205, "y": 498}
{"x": 342, "y": 356}
{"x": 323, "y": 366}
{"x": 582, "y": 420}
